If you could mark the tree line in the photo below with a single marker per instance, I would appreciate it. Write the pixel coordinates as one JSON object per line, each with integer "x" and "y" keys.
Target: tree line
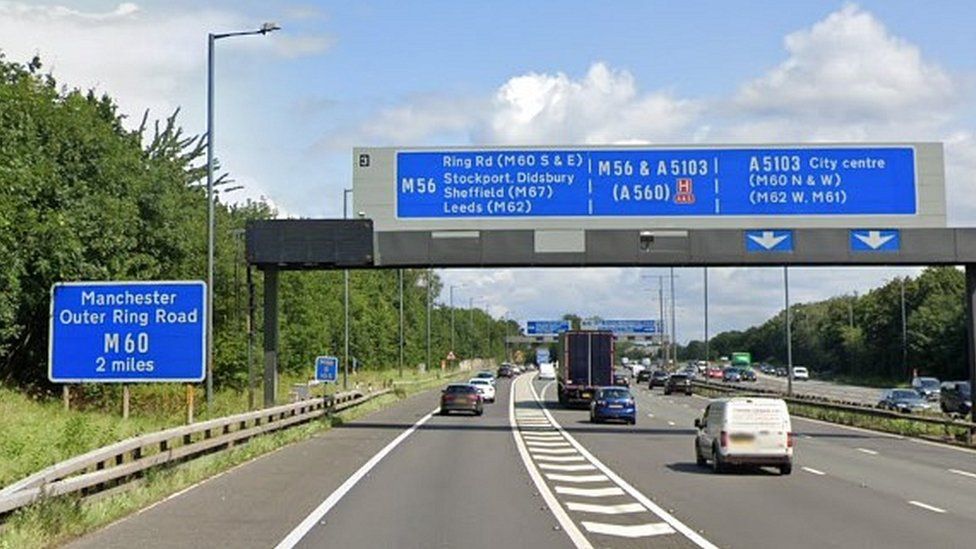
{"x": 83, "y": 197}
{"x": 862, "y": 337}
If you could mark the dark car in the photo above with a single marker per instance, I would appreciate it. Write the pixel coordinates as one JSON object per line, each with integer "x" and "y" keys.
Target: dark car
{"x": 459, "y": 397}
{"x": 732, "y": 375}
{"x": 621, "y": 381}
{"x": 903, "y": 400}
{"x": 658, "y": 378}
{"x": 928, "y": 387}
{"x": 781, "y": 372}
{"x": 644, "y": 375}
{"x": 748, "y": 374}
{"x": 956, "y": 397}
{"x": 767, "y": 369}
{"x": 679, "y": 382}
{"x": 506, "y": 371}
{"x": 613, "y": 403}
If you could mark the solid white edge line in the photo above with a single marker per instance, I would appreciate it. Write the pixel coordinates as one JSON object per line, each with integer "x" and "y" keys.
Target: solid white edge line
{"x": 692, "y": 536}
{"x": 568, "y": 526}
{"x": 926, "y": 506}
{"x": 813, "y": 471}
{"x": 316, "y": 515}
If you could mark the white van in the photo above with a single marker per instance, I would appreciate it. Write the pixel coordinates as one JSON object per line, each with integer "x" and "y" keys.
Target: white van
{"x": 547, "y": 371}
{"x": 745, "y": 431}
{"x": 800, "y": 373}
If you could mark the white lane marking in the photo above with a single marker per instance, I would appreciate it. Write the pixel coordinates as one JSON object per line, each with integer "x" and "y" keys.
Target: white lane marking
{"x": 814, "y": 471}
{"x": 569, "y": 468}
{"x": 650, "y": 415}
{"x": 553, "y": 451}
{"x": 566, "y": 523}
{"x": 692, "y": 536}
{"x": 589, "y": 492}
{"x": 316, "y": 515}
{"x": 532, "y": 444}
{"x": 560, "y": 458}
{"x": 926, "y": 506}
{"x": 635, "y": 531}
{"x": 867, "y": 451}
{"x": 671, "y": 423}
{"x": 963, "y": 473}
{"x": 541, "y": 436}
{"x": 576, "y": 478}
{"x": 605, "y": 509}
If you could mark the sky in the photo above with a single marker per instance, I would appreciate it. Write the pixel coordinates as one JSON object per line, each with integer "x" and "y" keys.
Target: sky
{"x": 291, "y": 105}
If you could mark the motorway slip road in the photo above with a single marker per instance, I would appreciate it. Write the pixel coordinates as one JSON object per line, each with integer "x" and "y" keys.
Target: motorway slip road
{"x": 528, "y": 474}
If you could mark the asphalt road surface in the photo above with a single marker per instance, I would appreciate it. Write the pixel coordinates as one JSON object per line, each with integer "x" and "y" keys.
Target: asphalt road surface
{"x": 529, "y": 474}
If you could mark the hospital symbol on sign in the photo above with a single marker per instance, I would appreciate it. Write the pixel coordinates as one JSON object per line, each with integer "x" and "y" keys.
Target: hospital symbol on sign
{"x": 685, "y": 193}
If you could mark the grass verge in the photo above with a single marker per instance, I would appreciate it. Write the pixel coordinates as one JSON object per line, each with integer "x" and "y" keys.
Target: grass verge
{"x": 53, "y": 522}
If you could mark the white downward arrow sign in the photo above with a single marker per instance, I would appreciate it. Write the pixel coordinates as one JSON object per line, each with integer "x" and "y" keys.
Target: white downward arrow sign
{"x": 768, "y": 240}
{"x": 874, "y": 239}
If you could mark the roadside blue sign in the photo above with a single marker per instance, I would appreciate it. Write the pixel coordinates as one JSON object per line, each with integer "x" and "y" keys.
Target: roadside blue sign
{"x": 875, "y": 240}
{"x": 622, "y": 326}
{"x": 127, "y": 332}
{"x": 327, "y": 368}
{"x": 827, "y": 181}
{"x": 542, "y": 355}
{"x": 543, "y": 327}
{"x": 769, "y": 241}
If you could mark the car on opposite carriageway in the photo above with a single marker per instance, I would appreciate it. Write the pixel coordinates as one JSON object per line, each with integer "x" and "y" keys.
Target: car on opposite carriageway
{"x": 956, "y": 397}
{"x": 905, "y": 401}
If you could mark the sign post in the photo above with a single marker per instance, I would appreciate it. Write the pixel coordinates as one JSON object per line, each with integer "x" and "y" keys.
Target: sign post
{"x": 327, "y": 371}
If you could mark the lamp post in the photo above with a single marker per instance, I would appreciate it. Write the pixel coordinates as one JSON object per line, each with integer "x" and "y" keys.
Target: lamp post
{"x": 211, "y": 39}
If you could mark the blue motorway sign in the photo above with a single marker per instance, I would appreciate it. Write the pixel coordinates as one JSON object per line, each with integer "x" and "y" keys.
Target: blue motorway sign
{"x": 715, "y": 182}
{"x": 327, "y": 368}
{"x": 875, "y": 240}
{"x": 541, "y": 327}
{"x": 127, "y": 332}
{"x": 623, "y": 326}
{"x": 769, "y": 241}
{"x": 542, "y": 355}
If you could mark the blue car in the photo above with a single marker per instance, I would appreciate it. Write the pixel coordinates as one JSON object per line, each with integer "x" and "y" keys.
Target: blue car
{"x": 613, "y": 403}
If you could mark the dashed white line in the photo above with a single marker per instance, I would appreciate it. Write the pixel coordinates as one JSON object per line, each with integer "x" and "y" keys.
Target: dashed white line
{"x": 568, "y": 468}
{"x": 650, "y": 415}
{"x": 963, "y": 473}
{"x": 867, "y": 451}
{"x": 813, "y": 471}
{"x": 605, "y": 509}
{"x": 590, "y": 492}
{"x": 926, "y": 506}
{"x": 576, "y": 478}
{"x": 635, "y": 531}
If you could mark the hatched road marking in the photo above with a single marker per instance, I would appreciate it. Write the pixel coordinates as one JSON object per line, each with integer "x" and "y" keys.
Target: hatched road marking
{"x": 553, "y": 451}
{"x": 605, "y": 509}
{"x": 560, "y": 458}
{"x": 635, "y": 531}
{"x": 576, "y": 478}
{"x": 589, "y": 492}
{"x": 567, "y": 468}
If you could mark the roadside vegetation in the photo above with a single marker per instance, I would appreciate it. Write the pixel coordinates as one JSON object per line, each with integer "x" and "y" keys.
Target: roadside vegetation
{"x": 858, "y": 339}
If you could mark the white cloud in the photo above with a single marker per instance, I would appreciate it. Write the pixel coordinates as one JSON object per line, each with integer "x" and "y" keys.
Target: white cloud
{"x": 849, "y": 66}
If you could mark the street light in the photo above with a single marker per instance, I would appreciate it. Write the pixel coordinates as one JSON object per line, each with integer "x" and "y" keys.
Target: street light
{"x": 211, "y": 38}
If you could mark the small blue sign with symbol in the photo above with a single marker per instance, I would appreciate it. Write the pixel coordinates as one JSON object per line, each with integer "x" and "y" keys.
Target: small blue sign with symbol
{"x": 127, "y": 332}
{"x": 769, "y": 241}
{"x": 875, "y": 240}
{"x": 327, "y": 368}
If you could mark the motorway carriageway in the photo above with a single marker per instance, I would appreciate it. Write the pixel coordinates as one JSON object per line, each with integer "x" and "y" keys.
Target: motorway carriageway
{"x": 528, "y": 474}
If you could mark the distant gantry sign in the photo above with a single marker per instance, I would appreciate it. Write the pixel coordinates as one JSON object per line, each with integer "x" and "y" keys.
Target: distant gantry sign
{"x": 543, "y": 327}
